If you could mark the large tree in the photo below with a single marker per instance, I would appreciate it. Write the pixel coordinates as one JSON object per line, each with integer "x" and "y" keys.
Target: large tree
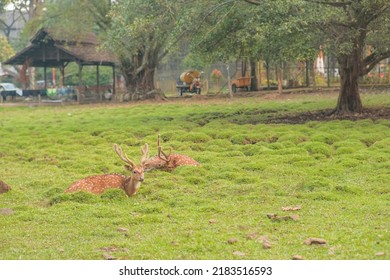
{"x": 141, "y": 34}
{"x": 272, "y": 30}
{"x": 358, "y": 33}
{"x": 348, "y": 29}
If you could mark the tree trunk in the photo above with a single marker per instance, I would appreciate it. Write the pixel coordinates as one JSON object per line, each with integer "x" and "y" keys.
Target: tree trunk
{"x": 268, "y": 74}
{"x": 253, "y": 74}
{"x": 279, "y": 75}
{"x": 349, "y": 99}
{"x": 140, "y": 83}
{"x": 229, "y": 81}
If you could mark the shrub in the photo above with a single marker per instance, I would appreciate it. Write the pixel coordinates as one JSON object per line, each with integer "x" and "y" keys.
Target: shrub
{"x": 317, "y": 148}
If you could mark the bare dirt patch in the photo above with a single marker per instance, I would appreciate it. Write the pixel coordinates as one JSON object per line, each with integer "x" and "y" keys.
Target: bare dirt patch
{"x": 328, "y": 115}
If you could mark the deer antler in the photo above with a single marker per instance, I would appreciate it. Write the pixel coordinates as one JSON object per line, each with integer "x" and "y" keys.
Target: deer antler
{"x": 161, "y": 153}
{"x": 123, "y": 156}
{"x": 145, "y": 156}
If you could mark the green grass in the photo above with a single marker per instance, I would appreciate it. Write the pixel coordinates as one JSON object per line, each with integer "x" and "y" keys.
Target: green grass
{"x": 337, "y": 171}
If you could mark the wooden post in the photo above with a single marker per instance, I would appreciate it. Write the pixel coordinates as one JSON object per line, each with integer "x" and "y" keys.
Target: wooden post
{"x": 229, "y": 81}
{"x": 98, "y": 83}
{"x": 80, "y": 81}
{"x": 307, "y": 73}
{"x": 62, "y": 78}
{"x": 328, "y": 70}
{"x": 268, "y": 75}
{"x": 113, "y": 81}
{"x": 45, "y": 77}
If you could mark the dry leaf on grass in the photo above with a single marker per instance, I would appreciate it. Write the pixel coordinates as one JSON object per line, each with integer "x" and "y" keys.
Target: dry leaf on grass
{"x": 267, "y": 245}
{"x": 238, "y": 253}
{"x": 266, "y": 242}
{"x": 292, "y": 208}
{"x": 121, "y": 229}
{"x": 252, "y": 236}
{"x": 232, "y": 240}
{"x": 6, "y": 211}
{"x": 275, "y": 217}
{"x": 315, "y": 241}
{"x": 109, "y": 249}
{"x": 297, "y": 257}
{"x": 108, "y": 257}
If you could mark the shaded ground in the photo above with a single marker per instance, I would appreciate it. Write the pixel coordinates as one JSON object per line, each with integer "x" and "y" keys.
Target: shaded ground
{"x": 255, "y": 116}
{"x": 327, "y": 115}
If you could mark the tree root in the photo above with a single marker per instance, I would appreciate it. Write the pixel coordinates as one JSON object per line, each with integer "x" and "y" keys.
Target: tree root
{"x": 156, "y": 94}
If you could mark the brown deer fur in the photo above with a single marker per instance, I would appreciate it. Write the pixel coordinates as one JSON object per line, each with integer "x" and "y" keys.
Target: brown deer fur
{"x": 99, "y": 183}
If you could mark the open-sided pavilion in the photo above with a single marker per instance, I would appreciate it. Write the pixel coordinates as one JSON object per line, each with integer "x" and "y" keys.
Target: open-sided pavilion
{"x": 49, "y": 49}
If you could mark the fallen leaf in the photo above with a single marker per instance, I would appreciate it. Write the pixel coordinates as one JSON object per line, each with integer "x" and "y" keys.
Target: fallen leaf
{"x": 252, "y": 235}
{"x": 292, "y": 208}
{"x": 243, "y": 227}
{"x": 265, "y": 242}
{"x": 238, "y": 253}
{"x": 108, "y": 257}
{"x": 315, "y": 241}
{"x": 121, "y": 229}
{"x": 380, "y": 254}
{"x": 275, "y": 217}
{"x": 109, "y": 249}
{"x": 294, "y": 217}
{"x": 271, "y": 216}
{"x": 212, "y": 221}
{"x": 267, "y": 245}
{"x": 232, "y": 240}
{"x": 297, "y": 257}
{"x": 6, "y": 211}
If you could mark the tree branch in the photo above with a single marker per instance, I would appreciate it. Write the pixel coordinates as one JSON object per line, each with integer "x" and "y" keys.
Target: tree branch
{"x": 254, "y": 2}
{"x": 373, "y": 59}
{"x": 377, "y": 13}
{"x": 331, "y": 3}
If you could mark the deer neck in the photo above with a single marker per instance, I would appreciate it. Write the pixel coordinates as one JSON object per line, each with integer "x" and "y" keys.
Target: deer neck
{"x": 131, "y": 186}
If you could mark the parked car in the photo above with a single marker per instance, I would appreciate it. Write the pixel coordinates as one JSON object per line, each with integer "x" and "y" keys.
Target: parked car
{"x": 9, "y": 89}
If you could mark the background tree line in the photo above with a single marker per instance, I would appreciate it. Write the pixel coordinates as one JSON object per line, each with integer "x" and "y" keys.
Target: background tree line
{"x": 144, "y": 32}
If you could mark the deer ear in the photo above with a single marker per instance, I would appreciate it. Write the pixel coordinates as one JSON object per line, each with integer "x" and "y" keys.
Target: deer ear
{"x": 128, "y": 167}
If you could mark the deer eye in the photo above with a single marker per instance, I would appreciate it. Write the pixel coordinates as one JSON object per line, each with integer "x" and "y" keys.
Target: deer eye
{"x": 134, "y": 172}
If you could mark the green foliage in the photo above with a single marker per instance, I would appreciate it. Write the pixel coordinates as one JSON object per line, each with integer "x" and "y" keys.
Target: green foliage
{"x": 6, "y": 51}
{"x": 273, "y": 31}
{"x": 337, "y": 171}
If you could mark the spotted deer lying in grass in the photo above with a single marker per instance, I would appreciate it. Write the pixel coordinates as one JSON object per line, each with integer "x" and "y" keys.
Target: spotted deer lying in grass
{"x": 130, "y": 184}
{"x": 168, "y": 162}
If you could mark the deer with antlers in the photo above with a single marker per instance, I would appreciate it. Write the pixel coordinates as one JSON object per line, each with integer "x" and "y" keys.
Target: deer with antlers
{"x": 130, "y": 184}
{"x": 168, "y": 162}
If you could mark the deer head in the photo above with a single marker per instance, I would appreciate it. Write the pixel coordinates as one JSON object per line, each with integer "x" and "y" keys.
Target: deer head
{"x": 97, "y": 184}
{"x": 168, "y": 161}
{"x": 137, "y": 171}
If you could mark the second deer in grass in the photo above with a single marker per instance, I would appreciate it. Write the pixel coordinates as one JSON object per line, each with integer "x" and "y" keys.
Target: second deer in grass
{"x": 168, "y": 162}
{"x": 130, "y": 184}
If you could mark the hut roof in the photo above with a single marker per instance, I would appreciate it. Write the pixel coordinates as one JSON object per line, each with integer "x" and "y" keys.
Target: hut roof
{"x": 52, "y": 49}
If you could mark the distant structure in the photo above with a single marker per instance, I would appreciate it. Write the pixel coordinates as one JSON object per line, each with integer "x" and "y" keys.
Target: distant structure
{"x": 54, "y": 49}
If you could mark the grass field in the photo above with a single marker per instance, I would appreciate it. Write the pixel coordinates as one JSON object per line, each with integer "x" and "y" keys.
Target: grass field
{"x": 338, "y": 172}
